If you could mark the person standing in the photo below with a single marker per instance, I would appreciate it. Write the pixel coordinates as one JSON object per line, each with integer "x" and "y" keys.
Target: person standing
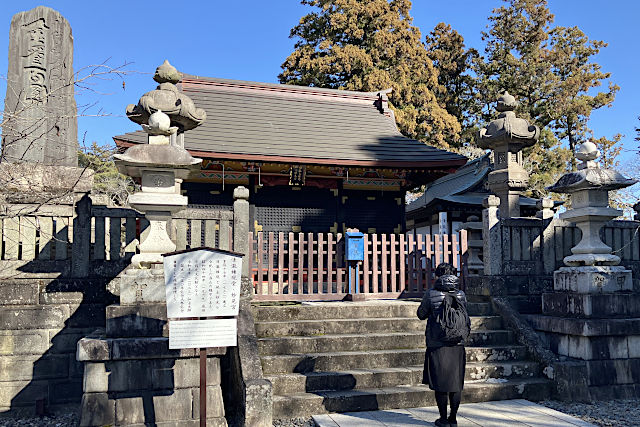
{"x": 445, "y": 357}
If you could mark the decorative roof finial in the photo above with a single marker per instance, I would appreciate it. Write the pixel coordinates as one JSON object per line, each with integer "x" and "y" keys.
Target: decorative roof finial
{"x": 587, "y": 152}
{"x": 166, "y": 97}
{"x": 167, "y": 73}
{"x": 506, "y": 102}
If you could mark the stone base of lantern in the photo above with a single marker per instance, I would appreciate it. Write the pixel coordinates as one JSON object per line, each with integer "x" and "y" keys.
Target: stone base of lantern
{"x": 609, "y": 349}
{"x": 131, "y": 377}
{"x": 138, "y": 381}
{"x": 593, "y": 316}
{"x": 592, "y": 279}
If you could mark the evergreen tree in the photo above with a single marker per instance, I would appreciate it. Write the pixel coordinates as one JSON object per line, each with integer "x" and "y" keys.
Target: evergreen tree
{"x": 550, "y": 71}
{"x": 107, "y": 181}
{"x": 445, "y": 46}
{"x": 609, "y": 150}
{"x": 571, "y": 104}
{"x": 369, "y": 45}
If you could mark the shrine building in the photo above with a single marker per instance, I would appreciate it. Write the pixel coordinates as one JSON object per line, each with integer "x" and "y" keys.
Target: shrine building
{"x": 450, "y": 200}
{"x": 314, "y": 160}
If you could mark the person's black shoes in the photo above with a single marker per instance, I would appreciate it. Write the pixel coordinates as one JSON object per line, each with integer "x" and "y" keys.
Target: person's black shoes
{"x": 453, "y": 422}
{"x": 440, "y": 422}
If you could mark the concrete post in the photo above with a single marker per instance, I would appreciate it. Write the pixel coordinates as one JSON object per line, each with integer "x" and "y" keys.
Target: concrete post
{"x": 545, "y": 208}
{"x": 491, "y": 236}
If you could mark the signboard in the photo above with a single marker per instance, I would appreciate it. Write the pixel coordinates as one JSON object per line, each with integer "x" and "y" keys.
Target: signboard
{"x": 443, "y": 226}
{"x": 203, "y": 333}
{"x": 202, "y": 283}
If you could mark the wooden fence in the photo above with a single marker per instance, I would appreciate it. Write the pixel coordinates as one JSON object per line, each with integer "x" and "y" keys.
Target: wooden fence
{"x": 311, "y": 266}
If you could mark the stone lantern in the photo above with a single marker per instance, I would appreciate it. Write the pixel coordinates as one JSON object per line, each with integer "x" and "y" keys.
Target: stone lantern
{"x": 128, "y": 364}
{"x": 592, "y": 267}
{"x": 507, "y": 136}
{"x": 162, "y": 164}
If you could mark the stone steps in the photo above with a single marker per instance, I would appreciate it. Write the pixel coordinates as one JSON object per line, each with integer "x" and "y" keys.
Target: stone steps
{"x": 337, "y": 361}
{"x": 358, "y": 325}
{"x": 341, "y": 357}
{"x": 406, "y": 396}
{"x": 368, "y": 341}
{"x": 345, "y": 310}
{"x": 386, "y": 377}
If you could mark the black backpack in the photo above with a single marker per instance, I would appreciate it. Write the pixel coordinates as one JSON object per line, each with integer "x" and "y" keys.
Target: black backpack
{"x": 452, "y": 321}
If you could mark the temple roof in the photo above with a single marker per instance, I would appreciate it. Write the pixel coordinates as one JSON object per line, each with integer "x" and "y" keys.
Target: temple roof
{"x": 464, "y": 187}
{"x": 293, "y": 124}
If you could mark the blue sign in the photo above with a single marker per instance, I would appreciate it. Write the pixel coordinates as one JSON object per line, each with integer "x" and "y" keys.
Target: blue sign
{"x": 355, "y": 246}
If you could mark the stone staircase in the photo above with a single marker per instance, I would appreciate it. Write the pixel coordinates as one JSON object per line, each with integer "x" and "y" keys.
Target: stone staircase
{"x": 345, "y": 356}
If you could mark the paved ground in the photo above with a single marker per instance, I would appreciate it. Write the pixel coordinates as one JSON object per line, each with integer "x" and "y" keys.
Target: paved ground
{"x": 487, "y": 414}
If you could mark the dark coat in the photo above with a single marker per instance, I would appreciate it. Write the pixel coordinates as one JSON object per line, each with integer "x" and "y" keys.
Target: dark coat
{"x": 432, "y": 300}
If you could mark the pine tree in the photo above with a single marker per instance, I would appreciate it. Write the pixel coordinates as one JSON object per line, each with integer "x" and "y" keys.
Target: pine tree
{"x": 550, "y": 71}
{"x": 107, "y": 181}
{"x": 571, "y": 103}
{"x": 445, "y": 46}
{"x": 369, "y": 45}
{"x": 609, "y": 150}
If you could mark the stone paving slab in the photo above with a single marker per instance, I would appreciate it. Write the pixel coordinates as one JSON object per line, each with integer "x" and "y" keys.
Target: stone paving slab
{"x": 505, "y": 413}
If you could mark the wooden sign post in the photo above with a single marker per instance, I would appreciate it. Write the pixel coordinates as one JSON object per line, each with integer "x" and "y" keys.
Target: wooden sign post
{"x": 203, "y": 299}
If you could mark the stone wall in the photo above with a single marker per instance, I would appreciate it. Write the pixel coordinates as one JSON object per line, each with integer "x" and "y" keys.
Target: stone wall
{"x": 41, "y": 320}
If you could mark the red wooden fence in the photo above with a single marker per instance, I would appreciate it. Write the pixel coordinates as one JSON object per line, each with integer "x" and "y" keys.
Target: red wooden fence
{"x": 311, "y": 266}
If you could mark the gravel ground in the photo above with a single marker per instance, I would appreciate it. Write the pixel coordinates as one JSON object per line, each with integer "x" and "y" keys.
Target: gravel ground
{"x": 624, "y": 413}
{"x": 60, "y": 420}
{"x": 294, "y": 422}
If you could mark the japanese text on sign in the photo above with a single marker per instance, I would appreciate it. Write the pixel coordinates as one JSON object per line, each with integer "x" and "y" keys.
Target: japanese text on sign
{"x": 202, "y": 283}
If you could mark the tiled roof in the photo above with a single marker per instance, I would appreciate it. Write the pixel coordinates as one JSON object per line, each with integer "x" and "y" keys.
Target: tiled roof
{"x": 249, "y": 121}
{"x": 464, "y": 187}
{"x": 460, "y": 182}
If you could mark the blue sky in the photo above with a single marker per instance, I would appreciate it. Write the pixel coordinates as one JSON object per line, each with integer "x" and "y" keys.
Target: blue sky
{"x": 248, "y": 40}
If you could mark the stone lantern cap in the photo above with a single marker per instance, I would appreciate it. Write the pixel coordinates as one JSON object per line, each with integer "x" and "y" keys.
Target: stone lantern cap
{"x": 167, "y": 98}
{"x": 145, "y": 156}
{"x": 590, "y": 176}
{"x": 508, "y": 128}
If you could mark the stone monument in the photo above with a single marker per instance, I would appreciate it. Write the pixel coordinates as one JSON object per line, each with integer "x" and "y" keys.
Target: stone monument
{"x": 131, "y": 377}
{"x": 507, "y": 136}
{"x": 593, "y": 315}
{"x": 40, "y": 132}
{"x": 40, "y": 108}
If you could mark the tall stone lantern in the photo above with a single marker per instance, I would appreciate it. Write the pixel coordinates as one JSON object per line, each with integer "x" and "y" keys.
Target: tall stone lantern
{"x": 165, "y": 114}
{"x": 591, "y": 267}
{"x": 131, "y": 376}
{"x": 507, "y": 136}
{"x": 592, "y": 314}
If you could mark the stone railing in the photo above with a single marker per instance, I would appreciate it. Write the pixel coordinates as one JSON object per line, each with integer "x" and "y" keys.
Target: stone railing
{"x": 94, "y": 241}
{"x": 537, "y": 246}
{"x": 529, "y": 250}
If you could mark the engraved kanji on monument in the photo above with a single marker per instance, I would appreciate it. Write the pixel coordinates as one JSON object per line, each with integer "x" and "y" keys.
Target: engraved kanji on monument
{"x": 202, "y": 282}
{"x": 40, "y": 109}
